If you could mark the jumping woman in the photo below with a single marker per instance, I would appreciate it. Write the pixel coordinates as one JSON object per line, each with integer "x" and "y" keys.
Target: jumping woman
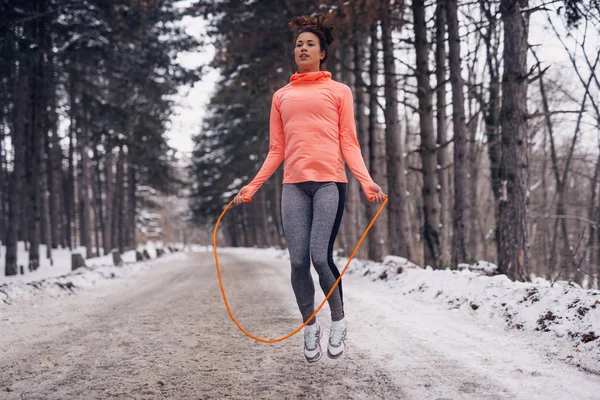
{"x": 312, "y": 128}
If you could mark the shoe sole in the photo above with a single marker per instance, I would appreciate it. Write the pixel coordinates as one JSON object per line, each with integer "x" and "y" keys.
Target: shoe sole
{"x": 314, "y": 360}
{"x": 333, "y": 357}
{"x": 320, "y": 355}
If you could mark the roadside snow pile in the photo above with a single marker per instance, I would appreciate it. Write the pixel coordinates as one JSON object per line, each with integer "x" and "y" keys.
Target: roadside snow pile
{"x": 97, "y": 271}
{"x": 564, "y": 319}
{"x": 567, "y": 312}
{"x": 252, "y": 252}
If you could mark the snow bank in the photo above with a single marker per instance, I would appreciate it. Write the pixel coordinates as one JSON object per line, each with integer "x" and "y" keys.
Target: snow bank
{"x": 563, "y": 318}
{"x": 61, "y": 261}
{"x": 566, "y": 314}
{"x": 59, "y": 280}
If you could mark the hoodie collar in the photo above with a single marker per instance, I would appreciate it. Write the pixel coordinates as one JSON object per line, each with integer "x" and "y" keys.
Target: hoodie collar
{"x": 310, "y": 77}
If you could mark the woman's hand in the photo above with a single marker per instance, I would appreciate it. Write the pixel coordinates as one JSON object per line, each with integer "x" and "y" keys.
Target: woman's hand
{"x": 241, "y": 197}
{"x": 379, "y": 197}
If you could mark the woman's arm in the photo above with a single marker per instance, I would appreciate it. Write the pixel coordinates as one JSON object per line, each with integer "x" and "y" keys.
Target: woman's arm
{"x": 350, "y": 146}
{"x": 274, "y": 157}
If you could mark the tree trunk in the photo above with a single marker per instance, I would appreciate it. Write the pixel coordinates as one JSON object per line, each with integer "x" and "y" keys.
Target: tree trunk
{"x": 442, "y": 134}
{"x": 108, "y": 231}
{"x": 117, "y": 220}
{"x": 3, "y": 100}
{"x": 476, "y": 232}
{"x": 47, "y": 111}
{"x": 545, "y": 209}
{"x": 492, "y": 111}
{"x": 592, "y": 214}
{"x": 431, "y": 235}
{"x": 97, "y": 202}
{"x": 131, "y": 202}
{"x": 54, "y": 160}
{"x": 84, "y": 184}
{"x": 378, "y": 242}
{"x": 350, "y": 220}
{"x": 66, "y": 201}
{"x": 45, "y": 200}
{"x": 461, "y": 151}
{"x": 5, "y": 121}
{"x": 270, "y": 208}
{"x": 263, "y": 223}
{"x": 70, "y": 192}
{"x": 245, "y": 239}
{"x": 124, "y": 222}
{"x": 36, "y": 132}
{"x": 560, "y": 204}
{"x": 277, "y": 202}
{"x": 359, "y": 45}
{"x": 17, "y": 187}
{"x": 399, "y": 224}
{"x": 513, "y": 253}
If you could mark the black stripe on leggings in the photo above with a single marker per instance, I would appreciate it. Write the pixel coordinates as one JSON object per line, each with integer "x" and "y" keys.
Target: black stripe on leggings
{"x": 336, "y": 227}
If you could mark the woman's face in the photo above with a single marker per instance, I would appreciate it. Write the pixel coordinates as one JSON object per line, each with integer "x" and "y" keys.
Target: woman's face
{"x": 308, "y": 52}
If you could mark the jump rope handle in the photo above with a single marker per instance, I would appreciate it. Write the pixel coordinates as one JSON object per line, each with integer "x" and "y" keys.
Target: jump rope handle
{"x": 370, "y": 198}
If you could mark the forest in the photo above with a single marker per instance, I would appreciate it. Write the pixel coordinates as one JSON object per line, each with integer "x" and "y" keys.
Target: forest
{"x": 85, "y": 96}
{"x": 480, "y": 119}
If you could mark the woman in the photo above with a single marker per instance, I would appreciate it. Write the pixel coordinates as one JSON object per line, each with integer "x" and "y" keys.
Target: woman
{"x": 312, "y": 128}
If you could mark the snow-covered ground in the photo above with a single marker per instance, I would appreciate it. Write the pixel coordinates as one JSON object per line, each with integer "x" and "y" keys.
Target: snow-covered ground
{"x": 56, "y": 278}
{"x": 154, "y": 333}
{"x": 565, "y": 319}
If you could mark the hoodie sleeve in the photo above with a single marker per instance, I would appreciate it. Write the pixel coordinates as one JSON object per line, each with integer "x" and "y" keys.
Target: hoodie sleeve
{"x": 349, "y": 142}
{"x": 275, "y": 155}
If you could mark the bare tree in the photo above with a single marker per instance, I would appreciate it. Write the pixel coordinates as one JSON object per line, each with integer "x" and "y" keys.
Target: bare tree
{"x": 17, "y": 186}
{"x": 350, "y": 222}
{"x": 378, "y": 242}
{"x": 442, "y": 132}
{"x": 513, "y": 250}
{"x": 476, "y": 233}
{"x": 431, "y": 212}
{"x": 399, "y": 226}
{"x": 362, "y": 122}
{"x": 491, "y": 40}
{"x": 107, "y": 235}
{"x": 461, "y": 157}
{"x": 84, "y": 182}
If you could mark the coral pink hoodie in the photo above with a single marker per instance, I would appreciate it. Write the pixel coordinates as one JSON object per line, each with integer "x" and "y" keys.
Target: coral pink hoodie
{"x": 312, "y": 128}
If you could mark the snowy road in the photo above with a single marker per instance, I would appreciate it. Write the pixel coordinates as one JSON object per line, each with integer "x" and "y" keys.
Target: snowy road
{"x": 165, "y": 334}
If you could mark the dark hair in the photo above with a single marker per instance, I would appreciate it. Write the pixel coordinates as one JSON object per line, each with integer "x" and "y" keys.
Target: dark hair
{"x": 316, "y": 25}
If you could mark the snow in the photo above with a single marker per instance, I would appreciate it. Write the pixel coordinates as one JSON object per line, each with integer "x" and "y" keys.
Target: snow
{"x": 57, "y": 278}
{"x": 567, "y": 317}
{"x": 430, "y": 334}
{"x": 61, "y": 261}
{"x": 563, "y": 319}
{"x": 60, "y": 265}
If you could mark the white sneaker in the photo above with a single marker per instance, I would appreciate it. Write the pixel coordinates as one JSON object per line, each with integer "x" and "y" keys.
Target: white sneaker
{"x": 312, "y": 342}
{"x": 337, "y": 339}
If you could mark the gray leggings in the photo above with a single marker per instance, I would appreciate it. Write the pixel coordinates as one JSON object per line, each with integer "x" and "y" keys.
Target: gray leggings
{"x": 311, "y": 214}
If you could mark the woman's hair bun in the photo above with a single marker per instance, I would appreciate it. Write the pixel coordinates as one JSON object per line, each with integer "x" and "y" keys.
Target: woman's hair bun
{"x": 314, "y": 23}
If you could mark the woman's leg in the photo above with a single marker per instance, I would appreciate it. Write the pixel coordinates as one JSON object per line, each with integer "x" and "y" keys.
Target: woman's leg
{"x": 296, "y": 215}
{"x": 328, "y": 207}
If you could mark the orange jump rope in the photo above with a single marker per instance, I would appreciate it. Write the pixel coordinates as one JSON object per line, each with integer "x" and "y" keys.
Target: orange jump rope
{"x": 318, "y": 308}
